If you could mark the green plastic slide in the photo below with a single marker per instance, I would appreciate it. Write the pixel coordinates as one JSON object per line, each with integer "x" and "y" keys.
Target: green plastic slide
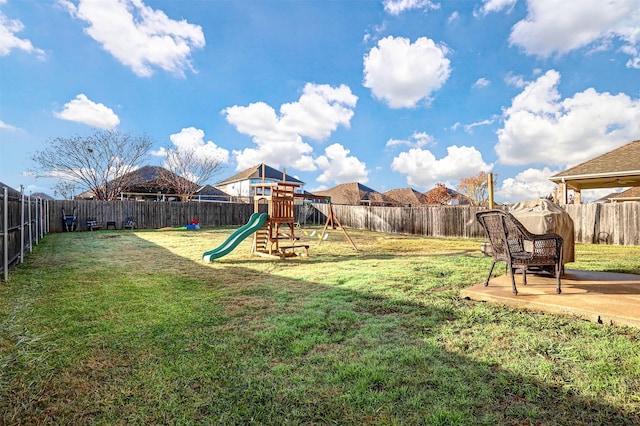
{"x": 255, "y": 222}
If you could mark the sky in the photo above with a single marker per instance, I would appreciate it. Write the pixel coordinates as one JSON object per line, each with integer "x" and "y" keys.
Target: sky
{"x": 388, "y": 93}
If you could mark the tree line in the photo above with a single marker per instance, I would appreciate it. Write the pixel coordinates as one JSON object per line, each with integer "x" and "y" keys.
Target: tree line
{"x": 103, "y": 164}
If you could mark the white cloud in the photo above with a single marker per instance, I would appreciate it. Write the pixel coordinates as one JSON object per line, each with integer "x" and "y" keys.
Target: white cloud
{"x": 453, "y": 17}
{"x": 83, "y": 110}
{"x": 318, "y": 113}
{"x": 590, "y": 195}
{"x": 138, "y": 36}
{"x": 8, "y": 30}
{"x": 540, "y": 127}
{"x": 632, "y": 51}
{"x": 527, "y": 185}
{"x": 417, "y": 140}
{"x": 192, "y": 139}
{"x": 377, "y": 31}
{"x": 469, "y": 127}
{"x": 423, "y": 170}
{"x": 6, "y": 126}
{"x": 481, "y": 82}
{"x": 489, "y": 6}
{"x": 402, "y": 73}
{"x": 395, "y": 7}
{"x": 515, "y": 80}
{"x": 557, "y": 26}
{"x": 339, "y": 167}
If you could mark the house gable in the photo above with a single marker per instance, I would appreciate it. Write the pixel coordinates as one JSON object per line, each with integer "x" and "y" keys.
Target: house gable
{"x": 239, "y": 185}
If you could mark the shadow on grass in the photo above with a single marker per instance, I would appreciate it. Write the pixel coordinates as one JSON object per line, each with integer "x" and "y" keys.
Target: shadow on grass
{"x": 157, "y": 338}
{"x": 332, "y": 258}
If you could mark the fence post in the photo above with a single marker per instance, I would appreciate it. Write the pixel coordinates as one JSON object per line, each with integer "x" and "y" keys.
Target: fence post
{"x": 30, "y": 226}
{"x": 37, "y": 223}
{"x": 21, "y": 224}
{"x": 5, "y": 233}
{"x": 47, "y": 224}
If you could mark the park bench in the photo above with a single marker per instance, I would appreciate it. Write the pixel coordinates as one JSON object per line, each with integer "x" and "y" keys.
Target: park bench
{"x": 92, "y": 224}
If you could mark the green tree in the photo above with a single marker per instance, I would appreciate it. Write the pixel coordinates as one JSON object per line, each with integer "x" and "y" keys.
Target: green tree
{"x": 476, "y": 187}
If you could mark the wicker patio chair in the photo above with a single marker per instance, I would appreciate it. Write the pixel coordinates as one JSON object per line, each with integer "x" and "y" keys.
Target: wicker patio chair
{"x": 520, "y": 249}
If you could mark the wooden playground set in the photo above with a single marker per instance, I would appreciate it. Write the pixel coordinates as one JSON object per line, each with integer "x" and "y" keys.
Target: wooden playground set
{"x": 277, "y": 236}
{"x": 274, "y": 232}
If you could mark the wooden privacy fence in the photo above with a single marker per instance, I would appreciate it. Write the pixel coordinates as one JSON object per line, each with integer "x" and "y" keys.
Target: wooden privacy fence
{"x": 22, "y": 224}
{"x": 155, "y": 215}
{"x": 617, "y": 223}
{"x": 148, "y": 215}
{"x": 436, "y": 221}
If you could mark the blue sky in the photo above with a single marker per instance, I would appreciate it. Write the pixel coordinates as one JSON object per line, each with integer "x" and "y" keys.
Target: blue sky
{"x": 391, "y": 93}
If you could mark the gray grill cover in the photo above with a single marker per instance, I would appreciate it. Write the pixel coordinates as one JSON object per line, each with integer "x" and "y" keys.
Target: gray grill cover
{"x": 542, "y": 216}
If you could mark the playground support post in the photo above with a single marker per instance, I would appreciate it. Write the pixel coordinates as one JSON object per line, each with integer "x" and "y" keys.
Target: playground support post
{"x": 331, "y": 218}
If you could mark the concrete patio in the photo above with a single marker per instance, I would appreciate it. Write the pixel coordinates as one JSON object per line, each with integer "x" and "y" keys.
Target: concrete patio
{"x": 602, "y": 297}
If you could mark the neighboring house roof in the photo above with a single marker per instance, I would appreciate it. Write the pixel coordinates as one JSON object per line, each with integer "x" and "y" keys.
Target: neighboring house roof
{"x": 209, "y": 192}
{"x": 355, "y": 193}
{"x": 407, "y": 196}
{"x": 461, "y": 198}
{"x": 606, "y": 198}
{"x": 42, "y": 196}
{"x": 255, "y": 172}
{"x": 149, "y": 179}
{"x": 631, "y": 194}
{"x": 15, "y": 193}
{"x": 617, "y": 168}
{"x": 454, "y": 196}
{"x": 145, "y": 179}
{"x": 10, "y": 191}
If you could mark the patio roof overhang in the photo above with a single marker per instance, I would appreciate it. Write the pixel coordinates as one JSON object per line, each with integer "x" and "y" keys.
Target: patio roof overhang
{"x": 599, "y": 180}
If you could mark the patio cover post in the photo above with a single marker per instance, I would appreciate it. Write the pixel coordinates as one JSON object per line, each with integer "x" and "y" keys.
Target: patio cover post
{"x": 577, "y": 199}
{"x": 563, "y": 192}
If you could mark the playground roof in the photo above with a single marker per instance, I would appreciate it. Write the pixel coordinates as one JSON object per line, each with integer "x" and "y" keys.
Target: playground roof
{"x": 255, "y": 172}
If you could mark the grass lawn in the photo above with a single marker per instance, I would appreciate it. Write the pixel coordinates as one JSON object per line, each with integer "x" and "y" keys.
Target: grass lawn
{"x": 117, "y": 327}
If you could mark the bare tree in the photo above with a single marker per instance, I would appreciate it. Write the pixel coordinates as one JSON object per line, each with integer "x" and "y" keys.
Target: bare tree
{"x": 186, "y": 172}
{"x": 98, "y": 161}
{"x": 66, "y": 190}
